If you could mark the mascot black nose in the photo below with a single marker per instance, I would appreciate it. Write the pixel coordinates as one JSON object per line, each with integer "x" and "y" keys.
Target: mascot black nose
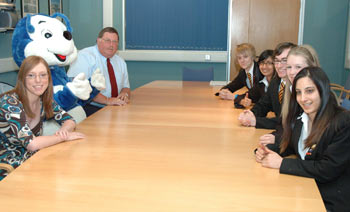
{"x": 67, "y": 35}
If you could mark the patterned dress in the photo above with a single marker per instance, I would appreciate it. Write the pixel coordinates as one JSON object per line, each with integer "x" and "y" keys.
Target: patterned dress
{"x": 15, "y": 133}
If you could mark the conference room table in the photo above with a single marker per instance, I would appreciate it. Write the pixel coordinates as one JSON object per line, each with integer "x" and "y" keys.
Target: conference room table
{"x": 175, "y": 147}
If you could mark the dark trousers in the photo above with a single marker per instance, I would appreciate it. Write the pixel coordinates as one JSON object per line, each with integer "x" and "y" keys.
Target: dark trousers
{"x": 90, "y": 109}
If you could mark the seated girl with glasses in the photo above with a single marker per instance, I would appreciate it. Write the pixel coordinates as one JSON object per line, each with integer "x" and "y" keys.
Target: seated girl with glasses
{"x": 317, "y": 130}
{"x": 22, "y": 112}
{"x": 267, "y": 68}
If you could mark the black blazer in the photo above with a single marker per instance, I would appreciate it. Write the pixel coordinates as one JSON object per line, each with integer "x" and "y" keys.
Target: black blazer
{"x": 268, "y": 102}
{"x": 255, "y": 93}
{"x": 241, "y": 80}
{"x": 328, "y": 163}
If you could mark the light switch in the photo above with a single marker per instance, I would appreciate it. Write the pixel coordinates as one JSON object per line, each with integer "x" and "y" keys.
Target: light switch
{"x": 207, "y": 57}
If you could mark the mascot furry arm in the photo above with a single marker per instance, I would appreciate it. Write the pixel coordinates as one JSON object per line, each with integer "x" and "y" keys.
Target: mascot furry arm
{"x": 46, "y": 36}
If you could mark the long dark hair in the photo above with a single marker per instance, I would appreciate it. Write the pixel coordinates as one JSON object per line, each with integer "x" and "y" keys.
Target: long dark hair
{"x": 326, "y": 112}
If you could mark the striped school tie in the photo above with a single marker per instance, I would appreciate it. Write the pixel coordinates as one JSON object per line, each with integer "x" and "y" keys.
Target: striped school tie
{"x": 250, "y": 80}
{"x": 280, "y": 93}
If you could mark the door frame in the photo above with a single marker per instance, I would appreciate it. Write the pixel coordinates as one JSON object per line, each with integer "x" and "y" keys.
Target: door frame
{"x": 300, "y": 34}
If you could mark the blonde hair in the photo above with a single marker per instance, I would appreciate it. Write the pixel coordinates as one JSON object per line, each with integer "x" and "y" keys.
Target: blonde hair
{"x": 246, "y": 49}
{"x": 310, "y": 55}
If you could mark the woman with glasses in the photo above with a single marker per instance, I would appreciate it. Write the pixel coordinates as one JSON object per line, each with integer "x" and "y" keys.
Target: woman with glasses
{"x": 22, "y": 113}
{"x": 317, "y": 130}
{"x": 258, "y": 90}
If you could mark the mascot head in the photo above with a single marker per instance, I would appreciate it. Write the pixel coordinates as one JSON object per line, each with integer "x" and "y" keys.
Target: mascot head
{"x": 44, "y": 36}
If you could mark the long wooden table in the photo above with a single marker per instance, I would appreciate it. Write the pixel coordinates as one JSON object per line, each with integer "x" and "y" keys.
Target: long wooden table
{"x": 176, "y": 147}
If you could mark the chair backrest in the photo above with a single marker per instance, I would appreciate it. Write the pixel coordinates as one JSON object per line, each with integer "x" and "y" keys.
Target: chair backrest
{"x": 204, "y": 75}
{"x": 346, "y": 104}
{"x": 4, "y": 87}
{"x": 50, "y": 127}
{"x": 340, "y": 92}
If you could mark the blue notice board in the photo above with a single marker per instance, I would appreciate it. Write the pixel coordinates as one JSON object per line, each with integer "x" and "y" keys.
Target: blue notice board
{"x": 198, "y": 25}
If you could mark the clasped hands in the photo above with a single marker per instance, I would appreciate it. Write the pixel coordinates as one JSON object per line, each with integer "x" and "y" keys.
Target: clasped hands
{"x": 267, "y": 157}
{"x": 247, "y": 118}
{"x": 226, "y": 94}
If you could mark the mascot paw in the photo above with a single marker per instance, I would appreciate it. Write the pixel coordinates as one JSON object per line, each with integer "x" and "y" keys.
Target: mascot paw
{"x": 98, "y": 80}
{"x": 80, "y": 87}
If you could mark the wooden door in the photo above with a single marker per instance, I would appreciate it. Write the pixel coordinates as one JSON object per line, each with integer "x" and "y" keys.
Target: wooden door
{"x": 263, "y": 23}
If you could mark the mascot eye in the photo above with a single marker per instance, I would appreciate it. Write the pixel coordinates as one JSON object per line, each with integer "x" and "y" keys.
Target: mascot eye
{"x": 48, "y": 35}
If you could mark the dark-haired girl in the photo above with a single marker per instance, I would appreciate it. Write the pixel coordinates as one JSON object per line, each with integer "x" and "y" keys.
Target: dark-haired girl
{"x": 317, "y": 130}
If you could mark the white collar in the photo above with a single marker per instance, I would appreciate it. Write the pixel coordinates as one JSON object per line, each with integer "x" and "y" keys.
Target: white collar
{"x": 266, "y": 83}
{"x": 304, "y": 117}
{"x": 303, "y": 135}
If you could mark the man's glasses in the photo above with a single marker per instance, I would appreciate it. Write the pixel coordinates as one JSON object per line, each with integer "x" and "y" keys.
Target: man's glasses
{"x": 283, "y": 61}
{"x": 108, "y": 41}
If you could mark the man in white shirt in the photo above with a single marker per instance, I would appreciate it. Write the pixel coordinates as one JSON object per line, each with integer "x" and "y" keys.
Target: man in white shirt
{"x": 103, "y": 56}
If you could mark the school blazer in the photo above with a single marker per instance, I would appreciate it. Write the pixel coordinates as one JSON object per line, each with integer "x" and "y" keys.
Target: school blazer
{"x": 328, "y": 163}
{"x": 240, "y": 81}
{"x": 268, "y": 102}
{"x": 255, "y": 93}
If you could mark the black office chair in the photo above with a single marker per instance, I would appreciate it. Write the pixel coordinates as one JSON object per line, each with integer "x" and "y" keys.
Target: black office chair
{"x": 203, "y": 75}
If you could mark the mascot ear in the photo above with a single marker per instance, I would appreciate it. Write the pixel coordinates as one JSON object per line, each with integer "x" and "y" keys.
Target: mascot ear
{"x": 69, "y": 28}
{"x": 20, "y": 39}
{"x": 29, "y": 26}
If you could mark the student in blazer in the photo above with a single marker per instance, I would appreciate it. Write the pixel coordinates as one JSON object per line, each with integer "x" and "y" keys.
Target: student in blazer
{"x": 269, "y": 102}
{"x": 256, "y": 117}
{"x": 317, "y": 130}
{"x": 245, "y": 56}
{"x": 298, "y": 58}
{"x": 267, "y": 68}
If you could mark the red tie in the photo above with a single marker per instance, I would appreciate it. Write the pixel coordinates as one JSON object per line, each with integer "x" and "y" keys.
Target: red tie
{"x": 112, "y": 79}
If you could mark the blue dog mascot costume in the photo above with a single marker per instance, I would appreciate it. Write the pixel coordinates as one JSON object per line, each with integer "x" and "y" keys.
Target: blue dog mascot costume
{"x": 48, "y": 37}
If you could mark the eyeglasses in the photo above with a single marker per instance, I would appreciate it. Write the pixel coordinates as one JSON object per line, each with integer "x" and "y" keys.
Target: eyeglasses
{"x": 34, "y": 76}
{"x": 283, "y": 61}
{"x": 108, "y": 41}
{"x": 266, "y": 63}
